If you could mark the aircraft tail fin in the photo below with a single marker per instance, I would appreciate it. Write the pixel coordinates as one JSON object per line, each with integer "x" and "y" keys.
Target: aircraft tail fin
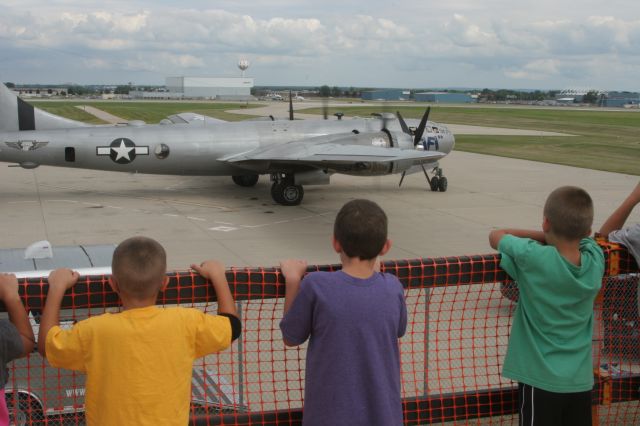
{"x": 17, "y": 115}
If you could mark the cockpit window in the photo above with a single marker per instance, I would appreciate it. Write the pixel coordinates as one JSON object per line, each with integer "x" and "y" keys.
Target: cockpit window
{"x": 161, "y": 151}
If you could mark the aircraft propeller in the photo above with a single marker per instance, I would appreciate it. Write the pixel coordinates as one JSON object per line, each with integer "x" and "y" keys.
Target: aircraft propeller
{"x": 419, "y": 131}
{"x": 416, "y": 137}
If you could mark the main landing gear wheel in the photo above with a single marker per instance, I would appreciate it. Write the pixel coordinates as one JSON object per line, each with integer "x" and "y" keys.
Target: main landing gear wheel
{"x": 245, "y": 180}
{"x": 442, "y": 184}
{"x": 435, "y": 181}
{"x": 287, "y": 193}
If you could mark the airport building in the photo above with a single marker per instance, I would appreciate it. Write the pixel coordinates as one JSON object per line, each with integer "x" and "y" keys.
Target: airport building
{"x": 385, "y": 95}
{"x": 603, "y": 98}
{"x": 444, "y": 97}
{"x": 220, "y": 88}
{"x": 576, "y": 95}
{"x": 621, "y": 100}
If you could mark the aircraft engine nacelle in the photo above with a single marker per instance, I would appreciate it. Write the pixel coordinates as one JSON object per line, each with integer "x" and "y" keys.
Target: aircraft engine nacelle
{"x": 381, "y": 139}
{"x": 369, "y": 168}
{"x": 402, "y": 140}
{"x": 313, "y": 177}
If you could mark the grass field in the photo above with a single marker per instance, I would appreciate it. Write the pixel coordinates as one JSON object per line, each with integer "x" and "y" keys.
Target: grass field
{"x": 601, "y": 140}
{"x": 149, "y": 112}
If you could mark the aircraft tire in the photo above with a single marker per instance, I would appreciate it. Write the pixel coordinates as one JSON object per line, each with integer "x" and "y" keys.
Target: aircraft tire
{"x": 245, "y": 180}
{"x": 442, "y": 184}
{"x": 435, "y": 182}
{"x": 287, "y": 194}
{"x": 276, "y": 193}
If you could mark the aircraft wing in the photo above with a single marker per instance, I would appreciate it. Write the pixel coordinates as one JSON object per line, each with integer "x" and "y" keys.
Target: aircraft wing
{"x": 325, "y": 154}
{"x": 193, "y": 118}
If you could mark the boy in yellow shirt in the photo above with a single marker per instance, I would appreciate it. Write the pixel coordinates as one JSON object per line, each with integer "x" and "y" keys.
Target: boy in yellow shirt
{"x": 138, "y": 362}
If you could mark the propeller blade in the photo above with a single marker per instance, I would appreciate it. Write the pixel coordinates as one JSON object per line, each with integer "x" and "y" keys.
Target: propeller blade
{"x": 290, "y": 106}
{"x": 421, "y": 127}
{"x": 403, "y": 125}
{"x": 325, "y": 108}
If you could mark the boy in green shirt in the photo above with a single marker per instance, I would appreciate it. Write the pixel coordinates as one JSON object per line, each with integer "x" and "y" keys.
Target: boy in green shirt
{"x": 559, "y": 273}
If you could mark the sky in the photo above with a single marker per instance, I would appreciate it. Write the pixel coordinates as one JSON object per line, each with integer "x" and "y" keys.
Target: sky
{"x": 512, "y": 44}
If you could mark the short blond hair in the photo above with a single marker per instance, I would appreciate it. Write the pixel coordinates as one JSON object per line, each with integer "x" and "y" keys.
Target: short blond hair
{"x": 569, "y": 210}
{"x": 139, "y": 266}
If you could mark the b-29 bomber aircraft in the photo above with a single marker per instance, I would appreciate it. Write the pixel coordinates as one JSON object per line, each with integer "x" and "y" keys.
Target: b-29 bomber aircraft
{"x": 293, "y": 152}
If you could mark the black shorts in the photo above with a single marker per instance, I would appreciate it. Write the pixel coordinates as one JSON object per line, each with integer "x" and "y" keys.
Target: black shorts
{"x": 538, "y": 407}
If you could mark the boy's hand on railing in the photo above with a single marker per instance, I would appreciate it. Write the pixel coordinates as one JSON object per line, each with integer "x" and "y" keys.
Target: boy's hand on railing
{"x": 212, "y": 270}
{"x": 8, "y": 287}
{"x": 62, "y": 279}
{"x": 293, "y": 270}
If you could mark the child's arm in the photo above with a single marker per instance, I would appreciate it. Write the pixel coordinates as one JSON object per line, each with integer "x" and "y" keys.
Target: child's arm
{"x": 619, "y": 216}
{"x": 17, "y": 314}
{"x": 214, "y": 271}
{"x": 293, "y": 271}
{"x": 59, "y": 281}
{"x": 496, "y": 235}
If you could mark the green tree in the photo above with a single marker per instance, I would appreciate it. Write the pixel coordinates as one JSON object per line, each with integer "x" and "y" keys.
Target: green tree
{"x": 324, "y": 91}
{"x": 591, "y": 97}
{"x": 122, "y": 90}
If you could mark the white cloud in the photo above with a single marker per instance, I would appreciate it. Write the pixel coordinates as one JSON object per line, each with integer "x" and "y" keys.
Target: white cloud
{"x": 385, "y": 43}
{"x": 535, "y": 70}
{"x": 464, "y": 33}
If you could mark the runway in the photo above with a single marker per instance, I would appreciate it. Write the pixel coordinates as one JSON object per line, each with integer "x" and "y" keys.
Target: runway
{"x": 197, "y": 218}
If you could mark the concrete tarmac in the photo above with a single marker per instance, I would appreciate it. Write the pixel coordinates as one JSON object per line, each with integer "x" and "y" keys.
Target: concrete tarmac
{"x": 197, "y": 218}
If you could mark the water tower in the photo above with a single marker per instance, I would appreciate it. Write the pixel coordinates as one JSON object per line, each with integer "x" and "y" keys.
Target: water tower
{"x": 243, "y": 64}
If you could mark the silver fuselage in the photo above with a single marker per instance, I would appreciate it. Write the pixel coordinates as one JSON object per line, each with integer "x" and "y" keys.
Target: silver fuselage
{"x": 192, "y": 149}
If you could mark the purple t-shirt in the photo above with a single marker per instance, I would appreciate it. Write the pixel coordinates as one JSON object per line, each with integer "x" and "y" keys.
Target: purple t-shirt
{"x": 353, "y": 361}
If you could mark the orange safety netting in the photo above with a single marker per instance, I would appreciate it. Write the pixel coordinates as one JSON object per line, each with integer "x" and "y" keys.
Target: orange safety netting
{"x": 458, "y": 327}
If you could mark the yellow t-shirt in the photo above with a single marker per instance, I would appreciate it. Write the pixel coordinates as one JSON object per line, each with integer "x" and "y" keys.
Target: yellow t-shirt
{"x": 138, "y": 362}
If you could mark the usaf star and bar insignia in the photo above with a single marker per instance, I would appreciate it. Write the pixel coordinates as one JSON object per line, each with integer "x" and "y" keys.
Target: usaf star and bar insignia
{"x": 122, "y": 150}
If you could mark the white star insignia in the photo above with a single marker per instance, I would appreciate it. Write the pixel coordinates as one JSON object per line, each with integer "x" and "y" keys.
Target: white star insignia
{"x": 122, "y": 151}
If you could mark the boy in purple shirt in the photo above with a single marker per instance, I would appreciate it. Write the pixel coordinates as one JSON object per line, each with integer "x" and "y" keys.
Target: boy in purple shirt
{"x": 353, "y": 319}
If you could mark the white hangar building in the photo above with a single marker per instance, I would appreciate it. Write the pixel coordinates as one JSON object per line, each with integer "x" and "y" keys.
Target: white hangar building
{"x": 221, "y": 88}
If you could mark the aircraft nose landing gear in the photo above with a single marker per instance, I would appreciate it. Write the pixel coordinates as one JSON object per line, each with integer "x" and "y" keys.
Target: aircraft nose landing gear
{"x": 284, "y": 190}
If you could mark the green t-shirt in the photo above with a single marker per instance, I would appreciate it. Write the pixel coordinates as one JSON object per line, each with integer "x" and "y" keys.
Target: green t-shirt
{"x": 550, "y": 342}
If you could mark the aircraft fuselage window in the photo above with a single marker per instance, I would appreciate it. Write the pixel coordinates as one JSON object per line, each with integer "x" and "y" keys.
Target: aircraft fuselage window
{"x": 70, "y": 154}
{"x": 162, "y": 151}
